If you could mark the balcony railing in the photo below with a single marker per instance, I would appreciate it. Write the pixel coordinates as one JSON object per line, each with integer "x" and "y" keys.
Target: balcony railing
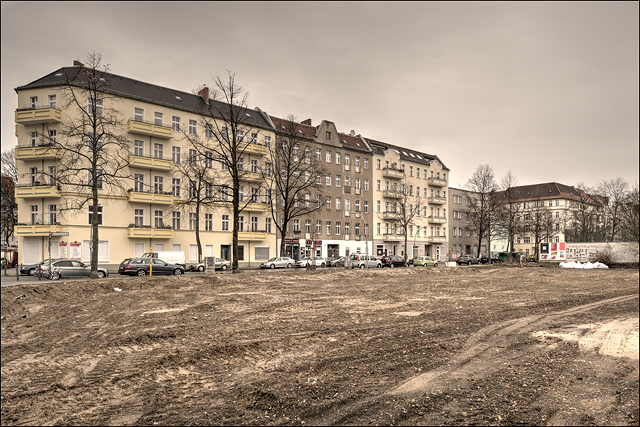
{"x": 29, "y": 191}
{"x": 37, "y": 115}
{"x": 437, "y": 200}
{"x": 251, "y": 176}
{"x": 437, "y": 219}
{"x": 164, "y": 198}
{"x": 437, "y": 182}
{"x": 149, "y": 162}
{"x": 40, "y": 151}
{"x": 38, "y": 225}
{"x": 148, "y": 232}
{"x": 252, "y": 235}
{"x": 389, "y": 237}
{"x": 388, "y": 172}
{"x": 255, "y": 206}
{"x": 391, "y": 194}
{"x": 390, "y": 215}
{"x": 253, "y": 148}
{"x": 144, "y": 127}
{"x": 437, "y": 239}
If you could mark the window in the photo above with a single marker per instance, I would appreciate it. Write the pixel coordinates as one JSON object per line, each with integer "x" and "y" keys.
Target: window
{"x": 193, "y": 127}
{"x": 328, "y": 135}
{"x": 318, "y": 201}
{"x": 192, "y": 190}
{"x": 337, "y": 158}
{"x": 357, "y": 164}
{"x": 175, "y": 123}
{"x": 328, "y": 179}
{"x": 138, "y": 182}
{"x": 33, "y": 138}
{"x": 255, "y": 194}
{"x": 338, "y": 228}
{"x": 307, "y": 226}
{"x": 456, "y": 199}
{"x": 328, "y": 224}
{"x": 240, "y": 135}
{"x": 208, "y": 130}
{"x": 241, "y": 193}
{"x": 158, "y": 218}
{"x": 175, "y": 187}
{"x": 337, "y": 203}
{"x": 99, "y": 213}
{"x": 318, "y": 178}
{"x": 158, "y": 182}
{"x": 53, "y": 214}
{"x": 138, "y": 147}
{"x": 378, "y": 167}
{"x": 318, "y": 227}
{"x": 347, "y": 162}
{"x": 52, "y": 101}
{"x": 378, "y": 207}
{"x": 138, "y": 217}
{"x": 138, "y": 114}
{"x": 328, "y": 156}
{"x": 337, "y": 180}
{"x": 254, "y": 223}
{"x": 366, "y": 207}
{"x": 157, "y": 150}
{"x": 357, "y": 205}
{"x": 267, "y": 224}
{"x": 208, "y": 222}
{"x": 410, "y": 170}
{"x": 51, "y": 175}
{"x": 34, "y": 218}
{"x": 175, "y": 154}
{"x": 366, "y": 185}
{"x": 175, "y": 220}
{"x": 192, "y": 159}
{"x": 357, "y": 228}
{"x": 267, "y": 141}
{"x": 225, "y": 222}
{"x": 96, "y": 103}
{"x": 33, "y": 102}
{"x": 328, "y": 203}
{"x": 296, "y": 225}
{"x": 99, "y": 179}
{"x": 346, "y": 228}
{"x": 307, "y": 155}
{"x": 192, "y": 221}
{"x": 347, "y": 205}
{"x": 158, "y": 118}
{"x": 91, "y": 141}
{"x": 347, "y": 181}
{"x": 254, "y": 166}
{"x": 366, "y": 163}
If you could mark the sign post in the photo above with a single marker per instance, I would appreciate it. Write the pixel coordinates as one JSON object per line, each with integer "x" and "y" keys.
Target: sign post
{"x": 151, "y": 261}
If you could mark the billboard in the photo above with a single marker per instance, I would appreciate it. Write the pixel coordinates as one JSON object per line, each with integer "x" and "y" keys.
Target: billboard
{"x": 553, "y": 251}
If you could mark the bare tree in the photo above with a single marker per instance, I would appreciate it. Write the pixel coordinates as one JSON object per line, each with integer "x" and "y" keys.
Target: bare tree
{"x": 93, "y": 147}
{"x": 539, "y": 224}
{"x": 586, "y": 221}
{"x": 292, "y": 176}
{"x": 508, "y": 211}
{"x": 403, "y": 210}
{"x": 630, "y": 217}
{"x": 615, "y": 192}
{"x": 8, "y": 206}
{"x": 482, "y": 209}
{"x": 229, "y": 129}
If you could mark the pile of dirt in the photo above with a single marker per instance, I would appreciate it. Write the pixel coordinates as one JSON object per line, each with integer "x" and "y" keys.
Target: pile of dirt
{"x": 399, "y": 346}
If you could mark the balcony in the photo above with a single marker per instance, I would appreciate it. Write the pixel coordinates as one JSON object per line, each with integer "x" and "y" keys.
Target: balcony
{"x": 390, "y": 216}
{"x": 437, "y": 239}
{"x": 150, "y": 163}
{"x": 38, "y": 152}
{"x": 39, "y": 225}
{"x": 149, "y": 129}
{"x": 255, "y": 207}
{"x": 393, "y": 237}
{"x": 252, "y": 235}
{"x": 391, "y": 194}
{"x": 388, "y": 172}
{"x": 437, "y": 200}
{"x": 253, "y": 148}
{"x": 437, "y": 219}
{"x": 148, "y": 197}
{"x": 251, "y": 176}
{"x": 31, "y": 191}
{"x": 37, "y": 115}
{"x": 437, "y": 182}
{"x": 149, "y": 233}
{"x": 347, "y": 189}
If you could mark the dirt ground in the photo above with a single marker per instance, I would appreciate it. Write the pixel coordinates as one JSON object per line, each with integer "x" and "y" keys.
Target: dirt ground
{"x": 404, "y": 346}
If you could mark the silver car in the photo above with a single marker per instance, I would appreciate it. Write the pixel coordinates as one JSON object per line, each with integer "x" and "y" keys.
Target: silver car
{"x": 320, "y": 262}
{"x": 279, "y": 262}
{"x": 221, "y": 264}
{"x": 66, "y": 269}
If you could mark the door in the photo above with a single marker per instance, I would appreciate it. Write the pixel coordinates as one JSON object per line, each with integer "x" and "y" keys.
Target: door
{"x": 159, "y": 267}
{"x": 225, "y": 251}
{"x": 80, "y": 269}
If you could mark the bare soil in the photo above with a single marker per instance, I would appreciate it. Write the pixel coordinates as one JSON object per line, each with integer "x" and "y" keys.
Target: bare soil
{"x": 404, "y": 346}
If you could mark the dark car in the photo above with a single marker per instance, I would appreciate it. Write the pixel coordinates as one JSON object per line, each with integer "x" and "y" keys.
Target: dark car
{"x": 31, "y": 269}
{"x": 336, "y": 262}
{"x": 467, "y": 259}
{"x": 143, "y": 267}
{"x": 392, "y": 261}
{"x": 67, "y": 268}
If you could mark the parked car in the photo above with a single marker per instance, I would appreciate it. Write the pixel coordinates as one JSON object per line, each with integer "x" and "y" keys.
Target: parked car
{"x": 279, "y": 262}
{"x": 66, "y": 269}
{"x": 31, "y": 269}
{"x": 424, "y": 261}
{"x": 364, "y": 261}
{"x": 170, "y": 257}
{"x": 320, "y": 262}
{"x": 220, "y": 264}
{"x": 392, "y": 261}
{"x": 143, "y": 267}
{"x": 337, "y": 261}
{"x": 532, "y": 258}
{"x": 467, "y": 259}
{"x": 484, "y": 259}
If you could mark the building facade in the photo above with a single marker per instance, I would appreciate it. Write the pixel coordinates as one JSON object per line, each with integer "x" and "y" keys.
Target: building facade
{"x": 462, "y": 238}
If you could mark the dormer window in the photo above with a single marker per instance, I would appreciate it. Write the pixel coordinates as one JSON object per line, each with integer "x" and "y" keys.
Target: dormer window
{"x": 328, "y": 135}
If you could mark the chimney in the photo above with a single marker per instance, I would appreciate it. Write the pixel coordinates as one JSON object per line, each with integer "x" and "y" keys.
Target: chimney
{"x": 204, "y": 93}
{"x": 306, "y": 122}
{"x": 77, "y": 63}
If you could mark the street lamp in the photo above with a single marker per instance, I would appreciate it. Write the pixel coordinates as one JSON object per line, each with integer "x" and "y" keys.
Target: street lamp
{"x": 366, "y": 242}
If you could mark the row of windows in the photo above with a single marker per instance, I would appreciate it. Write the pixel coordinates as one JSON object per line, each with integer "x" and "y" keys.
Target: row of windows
{"x": 425, "y": 231}
{"x": 388, "y": 165}
{"x": 330, "y": 228}
{"x": 393, "y": 187}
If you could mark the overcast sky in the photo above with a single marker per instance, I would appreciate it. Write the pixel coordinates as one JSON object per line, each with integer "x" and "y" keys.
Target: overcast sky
{"x": 546, "y": 90}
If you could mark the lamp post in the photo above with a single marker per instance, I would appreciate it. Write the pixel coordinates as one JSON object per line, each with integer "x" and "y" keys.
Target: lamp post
{"x": 366, "y": 242}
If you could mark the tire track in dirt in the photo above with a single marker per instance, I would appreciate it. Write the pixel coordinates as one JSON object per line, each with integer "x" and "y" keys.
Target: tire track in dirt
{"x": 484, "y": 353}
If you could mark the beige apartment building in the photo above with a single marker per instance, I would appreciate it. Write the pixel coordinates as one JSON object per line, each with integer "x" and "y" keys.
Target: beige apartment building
{"x": 142, "y": 213}
{"x": 462, "y": 239}
{"x": 342, "y": 224}
{"x": 409, "y": 188}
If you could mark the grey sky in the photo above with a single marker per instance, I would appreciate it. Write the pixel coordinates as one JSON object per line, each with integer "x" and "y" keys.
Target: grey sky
{"x": 546, "y": 90}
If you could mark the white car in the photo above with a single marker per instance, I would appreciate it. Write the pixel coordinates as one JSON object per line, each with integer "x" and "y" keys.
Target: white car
{"x": 365, "y": 261}
{"x": 320, "y": 262}
{"x": 279, "y": 262}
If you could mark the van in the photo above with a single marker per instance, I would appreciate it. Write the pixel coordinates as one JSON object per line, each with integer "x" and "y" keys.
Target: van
{"x": 364, "y": 261}
{"x": 170, "y": 257}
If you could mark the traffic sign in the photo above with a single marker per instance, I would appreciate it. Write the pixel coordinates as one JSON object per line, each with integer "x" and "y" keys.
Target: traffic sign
{"x": 59, "y": 234}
